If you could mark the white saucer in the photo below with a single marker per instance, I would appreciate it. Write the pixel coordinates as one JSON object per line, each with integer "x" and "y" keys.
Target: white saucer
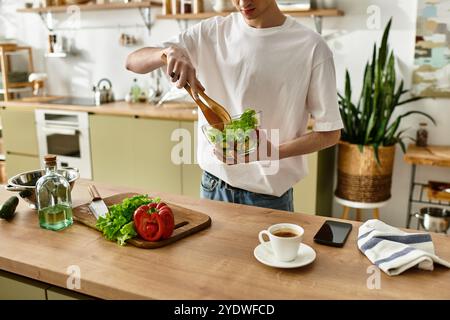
{"x": 305, "y": 256}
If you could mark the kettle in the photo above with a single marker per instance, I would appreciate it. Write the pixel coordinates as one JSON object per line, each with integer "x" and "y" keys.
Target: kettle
{"x": 103, "y": 92}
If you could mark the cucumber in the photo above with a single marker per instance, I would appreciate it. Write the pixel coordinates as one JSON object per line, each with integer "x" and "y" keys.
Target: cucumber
{"x": 9, "y": 208}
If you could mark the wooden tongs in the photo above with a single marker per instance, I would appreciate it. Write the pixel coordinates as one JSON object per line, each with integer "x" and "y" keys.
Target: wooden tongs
{"x": 216, "y": 115}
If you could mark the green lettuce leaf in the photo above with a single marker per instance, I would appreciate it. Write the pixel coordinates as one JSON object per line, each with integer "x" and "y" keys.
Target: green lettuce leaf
{"x": 118, "y": 224}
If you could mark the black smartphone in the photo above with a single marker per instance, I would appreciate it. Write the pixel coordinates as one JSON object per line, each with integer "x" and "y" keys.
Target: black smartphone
{"x": 333, "y": 233}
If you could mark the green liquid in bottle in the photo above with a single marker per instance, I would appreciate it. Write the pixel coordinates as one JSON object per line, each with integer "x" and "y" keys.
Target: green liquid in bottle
{"x": 56, "y": 217}
{"x": 53, "y": 198}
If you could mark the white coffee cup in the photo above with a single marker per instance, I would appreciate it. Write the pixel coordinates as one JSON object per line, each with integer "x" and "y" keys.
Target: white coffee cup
{"x": 285, "y": 240}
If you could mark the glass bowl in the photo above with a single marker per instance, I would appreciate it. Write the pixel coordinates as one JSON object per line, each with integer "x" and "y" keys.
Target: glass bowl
{"x": 240, "y": 136}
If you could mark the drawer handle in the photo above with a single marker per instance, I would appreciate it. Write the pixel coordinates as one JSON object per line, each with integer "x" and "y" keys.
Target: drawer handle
{"x": 67, "y": 132}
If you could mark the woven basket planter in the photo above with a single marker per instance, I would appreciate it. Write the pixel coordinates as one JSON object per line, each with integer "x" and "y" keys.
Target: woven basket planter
{"x": 360, "y": 178}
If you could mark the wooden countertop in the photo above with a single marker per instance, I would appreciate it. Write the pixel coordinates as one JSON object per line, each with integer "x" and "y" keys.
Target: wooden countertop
{"x": 216, "y": 263}
{"x": 168, "y": 111}
{"x": 429, "y": 156}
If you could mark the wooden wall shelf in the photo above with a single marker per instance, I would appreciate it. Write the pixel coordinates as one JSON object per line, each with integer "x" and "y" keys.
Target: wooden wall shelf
{"x": 206, "y": 15}
{"x": 94, "y": 7}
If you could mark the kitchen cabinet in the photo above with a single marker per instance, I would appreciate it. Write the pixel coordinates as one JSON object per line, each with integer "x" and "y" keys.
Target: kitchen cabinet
{"x": 153, "y": 167}
{"x": 305, "y": 190}
{"x": 13, "y": 287}
{"x": 111, "y": 149}
{"x": 19, "y": 139}
{"x": 19, "y": 131}
{"x": 134, "y": 152}
{"x": 191, "y": 173}
{"x": 56, "y": 293}
{"x": 16, "y": 163}
{"x": 313, "y": 195}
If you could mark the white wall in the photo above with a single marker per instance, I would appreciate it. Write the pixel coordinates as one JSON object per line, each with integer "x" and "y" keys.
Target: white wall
{"x": 101, "y": 56}
{"x": 98, "y": 53}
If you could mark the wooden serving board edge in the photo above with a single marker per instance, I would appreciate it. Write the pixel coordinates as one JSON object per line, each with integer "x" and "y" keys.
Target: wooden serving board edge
{"x": 159, "y": 244}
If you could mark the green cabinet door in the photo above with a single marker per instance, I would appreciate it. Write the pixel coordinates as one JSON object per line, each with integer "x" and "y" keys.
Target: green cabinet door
{"x": 190, "y": 172}
{"x": 112, "y": 149}
{"x": 19, "y": 130}
{"x": 17, "y": 163}
{"x": 13, "y": 287}
{"x": 305, "y": 192}
{"x": 314, "y": 194}
{"x": 56, "y": 293}
{"x": 153, "y": 163}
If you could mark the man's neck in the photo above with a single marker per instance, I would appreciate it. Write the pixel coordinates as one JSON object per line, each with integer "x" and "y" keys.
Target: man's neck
{"x": 271, "y": 17}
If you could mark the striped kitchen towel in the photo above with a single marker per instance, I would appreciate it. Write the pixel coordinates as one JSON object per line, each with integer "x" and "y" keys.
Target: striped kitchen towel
{"x": 395, "y": 251}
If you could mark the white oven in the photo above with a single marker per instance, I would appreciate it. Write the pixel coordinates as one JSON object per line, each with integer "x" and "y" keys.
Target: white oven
{"x": 66, "y": 135}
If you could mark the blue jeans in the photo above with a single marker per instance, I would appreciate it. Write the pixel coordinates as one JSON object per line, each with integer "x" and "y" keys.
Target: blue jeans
{"x": 213, "y": 188}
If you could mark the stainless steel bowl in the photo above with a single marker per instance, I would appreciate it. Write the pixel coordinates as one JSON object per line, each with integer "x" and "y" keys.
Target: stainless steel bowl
{"x": 25, "y": 183}
{"x": 434, "y": 219}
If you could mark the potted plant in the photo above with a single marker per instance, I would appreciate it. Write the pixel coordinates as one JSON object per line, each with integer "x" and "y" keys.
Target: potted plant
{"x": 367, "y": 148}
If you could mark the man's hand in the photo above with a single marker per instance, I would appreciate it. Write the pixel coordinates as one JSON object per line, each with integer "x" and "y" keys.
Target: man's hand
{"x": 181, "y": 70}
{"x": 265, "y": 151}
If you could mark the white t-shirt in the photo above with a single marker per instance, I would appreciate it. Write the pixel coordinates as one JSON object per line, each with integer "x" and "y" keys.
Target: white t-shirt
{"x": 287, "y": 72}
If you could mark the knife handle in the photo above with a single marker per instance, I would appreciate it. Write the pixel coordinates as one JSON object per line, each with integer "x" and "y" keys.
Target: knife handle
{"x": 94, "y": 192}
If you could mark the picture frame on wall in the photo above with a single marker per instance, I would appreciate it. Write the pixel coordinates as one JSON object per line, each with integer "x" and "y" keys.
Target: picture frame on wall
{"x": 431, "y": 77}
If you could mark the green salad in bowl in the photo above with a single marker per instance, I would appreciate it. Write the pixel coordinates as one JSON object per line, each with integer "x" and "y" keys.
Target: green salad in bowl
{"x": 240, "y": 135}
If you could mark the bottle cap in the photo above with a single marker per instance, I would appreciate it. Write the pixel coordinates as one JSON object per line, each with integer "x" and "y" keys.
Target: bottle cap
{"x": 50, "y": 159}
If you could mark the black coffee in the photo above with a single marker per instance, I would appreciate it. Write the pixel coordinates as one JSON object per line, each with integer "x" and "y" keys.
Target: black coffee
{"x": 285, "y": 233}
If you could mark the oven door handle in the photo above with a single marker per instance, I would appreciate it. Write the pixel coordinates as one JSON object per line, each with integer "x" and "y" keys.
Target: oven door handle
{"x": 64, "y": 131}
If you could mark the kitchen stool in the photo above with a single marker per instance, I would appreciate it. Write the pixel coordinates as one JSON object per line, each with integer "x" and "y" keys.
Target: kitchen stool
{"x": 347, "y": 204}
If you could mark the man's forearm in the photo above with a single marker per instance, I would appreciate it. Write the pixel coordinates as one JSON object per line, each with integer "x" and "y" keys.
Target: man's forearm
{"x": 145, "y": 60}
{"x": 309, "y": 143}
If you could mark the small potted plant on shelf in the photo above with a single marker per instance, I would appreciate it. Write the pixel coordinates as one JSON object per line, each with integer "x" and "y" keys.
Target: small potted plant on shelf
{"x": 371, "y": 131}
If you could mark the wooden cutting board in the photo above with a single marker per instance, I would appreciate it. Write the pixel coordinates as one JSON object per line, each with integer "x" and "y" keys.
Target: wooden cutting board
{"x": 187, "y": 221}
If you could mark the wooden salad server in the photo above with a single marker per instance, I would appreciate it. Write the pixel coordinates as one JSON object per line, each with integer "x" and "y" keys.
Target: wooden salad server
{"x": 216, "y": 115}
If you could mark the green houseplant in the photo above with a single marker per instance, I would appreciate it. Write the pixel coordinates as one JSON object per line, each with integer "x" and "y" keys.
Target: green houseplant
{"x": 371, "y": 131}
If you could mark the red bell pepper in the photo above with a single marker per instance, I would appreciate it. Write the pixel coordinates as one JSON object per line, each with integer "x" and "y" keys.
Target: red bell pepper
{"x": 154, "y": 221}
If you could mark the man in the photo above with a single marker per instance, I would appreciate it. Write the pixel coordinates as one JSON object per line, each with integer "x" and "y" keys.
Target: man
{"x": 261, "y": 59}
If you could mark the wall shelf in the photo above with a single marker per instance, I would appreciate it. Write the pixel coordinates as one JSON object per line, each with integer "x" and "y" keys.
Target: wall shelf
{"x": 206, "y": 15}
{"x": 47, "y": 12}
{"x": 316, "y": 14}
{"x": 93, "y": 7}
{"x": 56, "y": 55}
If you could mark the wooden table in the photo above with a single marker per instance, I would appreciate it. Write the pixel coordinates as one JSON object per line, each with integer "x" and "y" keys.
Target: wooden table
{"x": 428, "y": 156}
{"x": 438, "y": 156}
{"x": 217, "y": 263}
